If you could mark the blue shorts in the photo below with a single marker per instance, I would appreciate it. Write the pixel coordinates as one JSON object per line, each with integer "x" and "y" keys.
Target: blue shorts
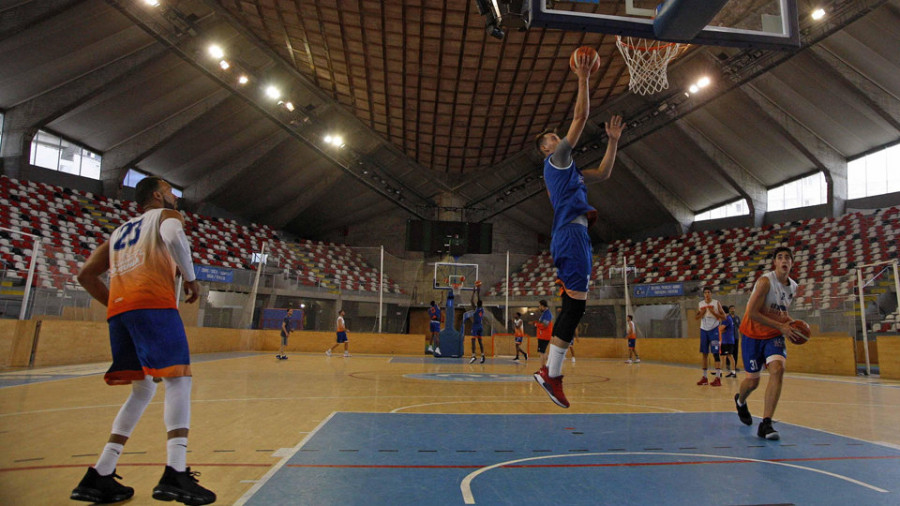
{"x": 571, "y": 252}
{"x": 284, "y": 339}
{"x": 709, "y": 341}
{"x": 519, "y": 339}
{"x": 341, "y": 337}
{"x": 631, "y": 343}
{"x": 147, "y": 342}
{"x": 477, "y": 331}
{"x": 757, "y": 351}
{"x": 435, "y": 326}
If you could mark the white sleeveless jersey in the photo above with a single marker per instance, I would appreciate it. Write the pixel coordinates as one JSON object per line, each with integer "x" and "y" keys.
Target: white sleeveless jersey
{"x": 776, "y": 306}
{"x": 709, "y": 322}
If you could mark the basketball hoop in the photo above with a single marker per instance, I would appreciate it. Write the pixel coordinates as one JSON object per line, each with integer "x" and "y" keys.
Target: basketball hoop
{"x": 647, "y": 61}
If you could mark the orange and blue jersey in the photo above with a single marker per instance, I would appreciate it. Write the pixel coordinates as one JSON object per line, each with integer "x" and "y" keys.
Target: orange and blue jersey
{"x": 776, "y": 305}
{"x": 545, "y": 326}
{"x": 141, "y": 270}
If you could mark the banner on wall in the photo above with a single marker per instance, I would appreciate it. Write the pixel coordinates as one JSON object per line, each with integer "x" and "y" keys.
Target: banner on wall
{"x": 659, "y": 290}
{"x": 217, "y": 274}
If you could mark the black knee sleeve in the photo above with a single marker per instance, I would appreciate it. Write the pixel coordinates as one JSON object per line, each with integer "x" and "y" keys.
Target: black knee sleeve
{"x": 716, "y": 357}
{"x": 569, "y": 317}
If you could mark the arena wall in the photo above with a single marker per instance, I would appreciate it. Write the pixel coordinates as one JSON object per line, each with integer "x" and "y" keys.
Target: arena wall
{"x": 889, "y": 357}
{"x": 61, "y": 342}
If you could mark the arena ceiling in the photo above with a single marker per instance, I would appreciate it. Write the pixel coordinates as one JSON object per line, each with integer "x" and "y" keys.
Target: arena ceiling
{"x": 434, "y": 113}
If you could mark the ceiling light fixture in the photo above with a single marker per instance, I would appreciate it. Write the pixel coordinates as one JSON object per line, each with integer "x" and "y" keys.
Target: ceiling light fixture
{"x": 243, "y": 79}
{"x": 216, "y": 51}
{"x": 818, "y": 14}
{"x": 224, "y": 65}
{"x": 273, "y": 92}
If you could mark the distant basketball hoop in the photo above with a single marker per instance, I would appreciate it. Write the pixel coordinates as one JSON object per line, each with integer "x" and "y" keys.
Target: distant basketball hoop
{"x": 648, "y": 61}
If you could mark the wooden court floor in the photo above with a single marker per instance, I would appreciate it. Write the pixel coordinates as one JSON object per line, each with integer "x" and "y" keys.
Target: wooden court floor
{"x": 250, "y": 409}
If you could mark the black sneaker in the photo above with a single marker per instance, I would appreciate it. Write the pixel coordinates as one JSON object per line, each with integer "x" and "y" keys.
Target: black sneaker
{"x": 182, "y": 487}
{"x": 101, "y": 489}
{"x": 482, "y": 359}
{"x": 526, "y": 356}
{"x": 766, "y": 430}
{"x": 743, "y": 411}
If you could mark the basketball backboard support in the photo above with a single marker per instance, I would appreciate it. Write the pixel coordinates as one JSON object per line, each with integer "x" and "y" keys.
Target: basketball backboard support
{"x": 764, "y": 24}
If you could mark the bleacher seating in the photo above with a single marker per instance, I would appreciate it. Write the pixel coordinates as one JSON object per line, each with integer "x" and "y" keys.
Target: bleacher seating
{"x": 825, "y": 252}
{"x": 73, "y": 223}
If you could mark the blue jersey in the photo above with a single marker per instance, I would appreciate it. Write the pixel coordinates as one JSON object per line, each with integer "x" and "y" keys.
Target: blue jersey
{"x": 728, "y": 332}
{"x": 546, "y": 317}
{"x": 435, "y": 313}
{"x": 477, "y": 317}
{"x": 568, "y": 194}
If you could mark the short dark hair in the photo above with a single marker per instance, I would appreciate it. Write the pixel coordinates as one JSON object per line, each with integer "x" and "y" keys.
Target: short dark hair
{"x": 782, "y": 249}
{"x": 543, "y": 302}
{"x": 479, "y": 303}
{"x": 143, "y": 192}
{"x": 707, "y": 289}
{"x": 630, "y": 317}
{"x": 432, "y": 303}
{"x": 539, "y": 138}
{"x": 518, "y": 314}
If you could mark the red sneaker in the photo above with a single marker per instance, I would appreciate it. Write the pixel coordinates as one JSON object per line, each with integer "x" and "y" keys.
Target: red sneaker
{"x": 553, "y": 387}
{"x": 703, "y": 381}
{"x": 716, "y": 382}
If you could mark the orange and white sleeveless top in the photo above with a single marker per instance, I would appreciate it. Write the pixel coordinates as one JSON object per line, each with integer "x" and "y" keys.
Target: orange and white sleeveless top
{"x": 519, "y": 327}
{"x": 340, "y": 324}
{"x": 141, "y": 270}
{"x": 776, "y": 306}
{"x": 631, "y": 333}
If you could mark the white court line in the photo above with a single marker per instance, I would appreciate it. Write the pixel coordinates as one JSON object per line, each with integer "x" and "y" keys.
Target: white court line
{"x": 465, "y": 486}
{"x": 397, "y": 410}
{"x": 266, "y": 477}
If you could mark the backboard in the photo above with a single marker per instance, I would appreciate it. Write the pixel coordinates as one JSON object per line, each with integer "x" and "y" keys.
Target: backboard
{"x": 446, "y": 273}
{"x": 766, "y": 24}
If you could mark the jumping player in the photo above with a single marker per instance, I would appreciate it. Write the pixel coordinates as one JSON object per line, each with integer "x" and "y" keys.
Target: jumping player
{"x": 570, "y": 245}
{"x": 519, "y": 330}
{"x": 147, "y": 339}
{"x": 477, "y": 321}
{"x": 709, "y": 313}
{"x": 341, "y": 336}
{"x": 766, "y": 324}
{"x": 434, "y": 312}
{"x": 632, "y": 340}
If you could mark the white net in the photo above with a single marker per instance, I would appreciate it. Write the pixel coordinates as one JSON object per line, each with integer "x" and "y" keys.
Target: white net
{"x": 647, "y": 62}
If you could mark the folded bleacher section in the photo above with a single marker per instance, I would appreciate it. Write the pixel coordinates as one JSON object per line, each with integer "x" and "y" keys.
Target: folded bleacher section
{"x": 72, "y": 223}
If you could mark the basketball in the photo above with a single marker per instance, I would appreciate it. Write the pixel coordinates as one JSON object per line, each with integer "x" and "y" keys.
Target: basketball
{"x": 588, "y": 51}
{"x": 478, "y": 283}
{"x": 804, "y": 329}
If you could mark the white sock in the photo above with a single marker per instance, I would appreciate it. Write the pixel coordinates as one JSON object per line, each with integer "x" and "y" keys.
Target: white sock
{"x": 704, "y": 373}
{"x": 719, "y": 372}
{"x": 555, "y": 357}
{"x": 176, "y": 450}
{"x": 106, "y": 464}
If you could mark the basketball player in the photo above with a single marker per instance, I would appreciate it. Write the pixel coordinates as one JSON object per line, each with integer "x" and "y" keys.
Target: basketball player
{"x": 147, "y": 340}
{"x": 341, "y": 336}
{"x": 477, "y": 321}
{"x": 631, "y": 335}
{"x": 285, "y": 332}
{"x": 710, "y": 313}
{"x": 519, "y": 332}
{"x": 726, "y": 337}
{"x": 544, "y": 325}
{"x": 766, "y": 324}
{"x": 434, "y": 313}
{"x": 570, "y": 245}
{"x": 737, "y": 342}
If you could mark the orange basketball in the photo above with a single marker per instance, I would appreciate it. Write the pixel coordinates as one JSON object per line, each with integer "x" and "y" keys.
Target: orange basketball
{"x": 588, "y": 51}
{"x": 478, "y": 283}
{"x": 804, "y": 329}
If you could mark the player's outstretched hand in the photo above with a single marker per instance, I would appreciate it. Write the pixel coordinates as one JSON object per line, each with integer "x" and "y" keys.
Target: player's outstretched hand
{"x": 583, "y": 70}
{"x": 192, "y": 291}
{"x": 614, "y": 127}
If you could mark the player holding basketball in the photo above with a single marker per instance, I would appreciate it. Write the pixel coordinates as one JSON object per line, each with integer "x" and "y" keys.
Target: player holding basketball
{"x": 632, "y": 340}
{"x": 570, "y": 245}
{"x": 341, "y": 328}
{"x": 766, "y": 324}
{"x": 434, "y": 313}
{"x": 477, "y": 321}
{"x": 709, "y": 313}
{"x": 147, "y": 339}
{"x": 519, "y": 332}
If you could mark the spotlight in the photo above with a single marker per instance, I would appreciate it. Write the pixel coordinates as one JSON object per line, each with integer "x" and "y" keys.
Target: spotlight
{"x": 224, "y": 65}
{"x": 152, "y": 3}
{"x": 694, "y": 88}
{"x": 338, "y": 141}
{"x": 273, "y": 92}
{"x": 216, "y": 51}
{"x": 818, "y": 14}
{"x": 243, "y": 79}
{"x": 327, "y": 139}
{"x": 289, "y": 106}
{"x": 703, "y": 82}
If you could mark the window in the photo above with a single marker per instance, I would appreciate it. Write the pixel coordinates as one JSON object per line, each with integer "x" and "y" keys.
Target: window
{"x": 736, "y": 208}
{"x": 133, "y": 177}
{"x": 55, "y": 153}
{"x": 874, "y": 174}
{"x": 809, "y": 191}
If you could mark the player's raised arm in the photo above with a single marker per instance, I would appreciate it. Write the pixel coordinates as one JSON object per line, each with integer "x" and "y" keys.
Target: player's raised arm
{"x": 614, "y": 128}
{"x": 582, "y": 99}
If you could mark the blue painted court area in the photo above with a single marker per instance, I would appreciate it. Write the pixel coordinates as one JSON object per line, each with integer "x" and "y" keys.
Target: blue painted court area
{"x": 669, "y": 458}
